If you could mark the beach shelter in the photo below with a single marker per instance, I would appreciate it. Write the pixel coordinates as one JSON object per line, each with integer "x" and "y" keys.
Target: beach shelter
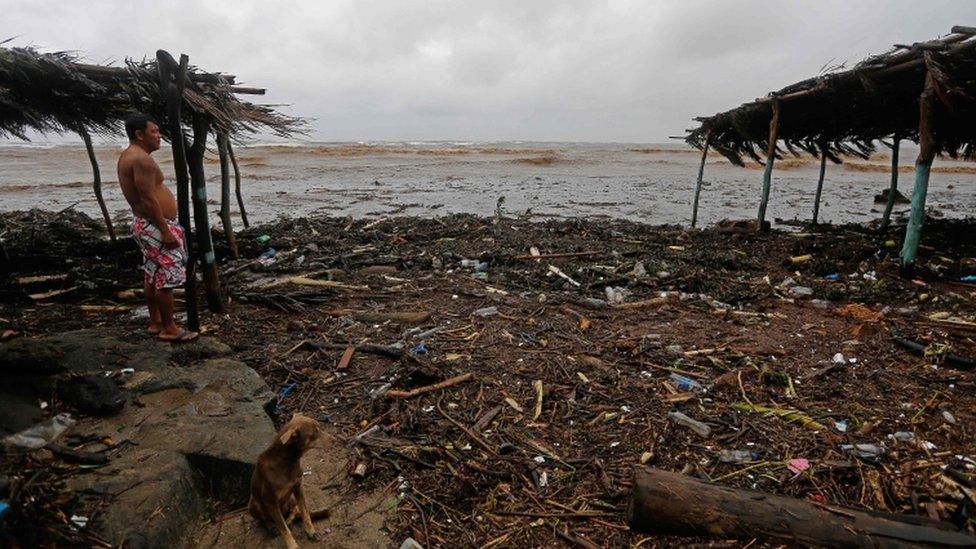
{"x": 924, "y": 92}
{"x": 55, "y": 93}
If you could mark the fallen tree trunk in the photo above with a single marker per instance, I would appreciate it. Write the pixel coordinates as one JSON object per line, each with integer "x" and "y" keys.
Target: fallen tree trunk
{"x": 671, "y": 503}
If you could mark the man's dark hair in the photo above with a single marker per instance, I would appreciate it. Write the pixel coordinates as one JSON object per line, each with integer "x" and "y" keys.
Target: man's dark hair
{"x": 137, "y": 122}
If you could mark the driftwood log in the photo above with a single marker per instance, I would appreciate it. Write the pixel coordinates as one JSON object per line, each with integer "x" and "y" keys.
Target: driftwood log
{"x": 670, "y": 503}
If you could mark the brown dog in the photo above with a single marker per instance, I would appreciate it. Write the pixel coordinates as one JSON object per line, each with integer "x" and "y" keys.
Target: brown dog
{"x": 276, "y": 485}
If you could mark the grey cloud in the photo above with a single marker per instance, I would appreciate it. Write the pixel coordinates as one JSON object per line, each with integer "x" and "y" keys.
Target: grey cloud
{"x": 614, "y": 70}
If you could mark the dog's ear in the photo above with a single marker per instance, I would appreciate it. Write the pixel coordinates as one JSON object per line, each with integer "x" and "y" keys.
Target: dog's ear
{"x": 287, "y": 433}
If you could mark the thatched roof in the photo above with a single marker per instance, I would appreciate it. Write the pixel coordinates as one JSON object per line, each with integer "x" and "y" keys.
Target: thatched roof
{"x": 851, "y": 109}
{"x": 53, "y": 92}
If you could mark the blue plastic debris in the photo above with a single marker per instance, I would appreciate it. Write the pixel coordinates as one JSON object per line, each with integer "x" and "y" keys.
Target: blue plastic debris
{"x": 269, "y": 253}
{"x": 420, "y": 349}
{"x": 832, "y": 276}
{"x": 287, "y": 390}
{"x": 968, "y": 278}
{"x": 4, "y": 507}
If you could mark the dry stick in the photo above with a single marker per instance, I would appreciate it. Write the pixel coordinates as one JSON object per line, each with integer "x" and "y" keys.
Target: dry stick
{"x": 237, "y": 183}
{"x": 201, "y": 220}
{"x": 431, "y": 388}
{"x": 768, "y": 171}
{"x": 701, "y": 174}
{"x": 174, "y": 91}
{"x": 557, "y": 256}
{"x": 893, "y": 189}
{"x": 472, "y": 435}
{"x": 820, "y": 180}
{"x": 97, "y": 181}
{"x": 225, "y": 220}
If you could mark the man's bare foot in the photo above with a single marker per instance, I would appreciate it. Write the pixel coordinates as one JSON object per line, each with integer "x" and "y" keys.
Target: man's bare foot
{"x": 180, "y": 336}
{"x": 154, "y": 329}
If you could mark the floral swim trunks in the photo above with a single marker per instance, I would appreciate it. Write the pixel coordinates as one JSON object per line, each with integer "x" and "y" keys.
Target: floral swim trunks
{"x": 162, "y": 267}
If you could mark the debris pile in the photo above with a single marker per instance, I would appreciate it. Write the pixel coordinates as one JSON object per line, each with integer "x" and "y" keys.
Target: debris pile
{"x": 502, "y": 378}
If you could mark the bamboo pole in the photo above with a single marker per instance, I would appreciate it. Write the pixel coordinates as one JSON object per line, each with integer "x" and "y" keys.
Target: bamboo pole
{"x": 97, "y": 180}
{"x": 893, "y": 189}
{"x": 926, "y": 154}
{"x": 173, "y": 94}
{"x": 237, "y": 184}
{"x": 820, "y": 180}
{"x": 198, "y": 186}
{"x": 768, "y": 171}
{"x": 225, "y": 195}
{"x": 701, "y": 173}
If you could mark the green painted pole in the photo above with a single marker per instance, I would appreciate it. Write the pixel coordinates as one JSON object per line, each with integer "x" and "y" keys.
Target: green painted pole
{"x": 926, "y": 154}
{"x": 768, "y": 171}
{"x": 820, "y": 180}
{"x": 893, "y": 189}
{"x": 913, "y": 232}
{"x": 701, "y": 173}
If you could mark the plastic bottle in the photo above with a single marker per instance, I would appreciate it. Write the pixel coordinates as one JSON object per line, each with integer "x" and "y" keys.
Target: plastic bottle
{"x": 683, "y": 383}
{"x": 698, "y": 427}
{"x": 737, "y": 456}
{"x": 40, "y": 434}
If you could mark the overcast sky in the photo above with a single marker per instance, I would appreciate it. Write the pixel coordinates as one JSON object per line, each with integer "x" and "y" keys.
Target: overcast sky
{"x": 566, "y": 70}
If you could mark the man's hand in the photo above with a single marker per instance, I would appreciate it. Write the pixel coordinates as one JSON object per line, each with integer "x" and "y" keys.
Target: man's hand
{"x": 169, "y": 240}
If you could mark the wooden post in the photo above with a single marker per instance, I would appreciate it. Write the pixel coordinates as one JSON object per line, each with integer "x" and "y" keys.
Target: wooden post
{"x": 97, "y": 180}
{"x": 768, "y": 172}
{"x": 237, "y": 184}
{"x": 171, "y": 85}
{"x": 893, "y": 189}
{"x": 666, "y": 503}
{"x": 926, "y": 154}
{"x": 201, "y": 220}
{"x": 820, "y": 180}
{"x": 222, "y": 142}
{"x": 701, "y": 173}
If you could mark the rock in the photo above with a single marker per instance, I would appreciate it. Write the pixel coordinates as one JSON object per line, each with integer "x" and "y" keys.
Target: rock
{"x": 30, "y": 356}
{"x": 153, "y": 500}
{"x": 882, "y": 197}
{"x": 92, "y": 394}
{"x": 202, "y": 348}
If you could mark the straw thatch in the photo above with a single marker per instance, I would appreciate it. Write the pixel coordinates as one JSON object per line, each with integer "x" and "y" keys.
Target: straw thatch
{"x": 849, "y": 110}
{"x": 53, "y": 92}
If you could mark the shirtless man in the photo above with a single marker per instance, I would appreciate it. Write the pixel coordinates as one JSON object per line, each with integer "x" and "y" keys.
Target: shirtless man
{"x": 154, "y": 229}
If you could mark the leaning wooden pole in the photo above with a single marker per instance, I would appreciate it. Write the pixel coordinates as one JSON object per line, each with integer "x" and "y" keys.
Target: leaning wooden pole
{"x": 172, "y": 88}
{"x": 701, "y": 174}
{"x": 222, "y": 142}
{"x": 668, "y": 503}
{"x": 926, "y": 154}
{"x": 768, "y": 172}
{"x": 893, "y": 189}
{"x": 820, "y": 180}
{"x": 201, "y": 219}
{"x": 237, "y": 184}
{"x": 97, "y": 181}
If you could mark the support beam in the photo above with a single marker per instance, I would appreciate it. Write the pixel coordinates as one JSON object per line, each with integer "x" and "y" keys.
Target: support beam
{"x": 768, "y": 171}
{"x": 926, "y": 154}
{"x": 97, "y": 181}
{"x": 201, "y": 219}
{"x": 173, "y": 85}
{"x": 222, "y": 142}
{"x": 893, "y": 189}
{"x": 820, "y": 180}
{"x": 666, "y": 503}
{"x": 237, "y": 184}
{"x": 701, "y": 173}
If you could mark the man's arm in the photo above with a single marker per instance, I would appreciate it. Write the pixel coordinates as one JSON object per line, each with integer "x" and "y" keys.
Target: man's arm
{"x": 144, "y": 180}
